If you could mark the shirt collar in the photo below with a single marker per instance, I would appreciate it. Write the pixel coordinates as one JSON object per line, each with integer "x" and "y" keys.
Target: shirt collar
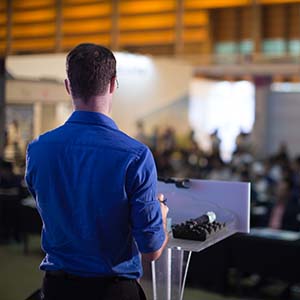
{"x": 89, "y": 117}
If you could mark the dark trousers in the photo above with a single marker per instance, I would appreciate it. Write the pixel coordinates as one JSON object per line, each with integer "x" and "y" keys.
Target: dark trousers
{"x": 58, "y": 287}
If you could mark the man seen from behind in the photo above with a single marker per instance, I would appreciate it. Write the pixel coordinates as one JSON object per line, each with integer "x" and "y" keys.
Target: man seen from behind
{"x": 95, "y": 189}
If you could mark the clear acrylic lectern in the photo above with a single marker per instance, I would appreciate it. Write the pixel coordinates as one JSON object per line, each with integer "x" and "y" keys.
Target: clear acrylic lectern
{"x": 165, "y": 278}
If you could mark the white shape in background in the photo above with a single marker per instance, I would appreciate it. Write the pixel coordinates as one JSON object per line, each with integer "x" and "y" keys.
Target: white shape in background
{"x": 53, "y": 66}
{"x": 285, "y": 87}
{"x": 147, "y": 85}
{"x": 38, "y": 66}
{"x": 133, "y": 64}
{"x": 226, "y": 106}
{"x": 136, "y": 75}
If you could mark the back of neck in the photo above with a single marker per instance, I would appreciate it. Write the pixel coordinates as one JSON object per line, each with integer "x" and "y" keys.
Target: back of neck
{"x": 98, "y": 104}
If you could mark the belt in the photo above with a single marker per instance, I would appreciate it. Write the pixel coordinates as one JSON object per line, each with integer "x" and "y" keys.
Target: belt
{"x": 66, "y": 275}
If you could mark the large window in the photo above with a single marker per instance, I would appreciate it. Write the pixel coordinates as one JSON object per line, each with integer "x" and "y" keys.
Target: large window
{"x": 228, "y": 107}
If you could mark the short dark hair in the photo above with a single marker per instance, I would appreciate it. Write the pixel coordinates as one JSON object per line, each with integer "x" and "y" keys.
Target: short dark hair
{"x": 90, "y": 68}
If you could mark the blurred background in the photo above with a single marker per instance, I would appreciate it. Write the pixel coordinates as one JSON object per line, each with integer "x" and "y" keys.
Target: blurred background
{"x": 211, "y": 86}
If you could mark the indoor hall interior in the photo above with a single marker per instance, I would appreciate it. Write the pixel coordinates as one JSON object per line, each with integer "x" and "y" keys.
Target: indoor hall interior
{"x": 211, "y": 87}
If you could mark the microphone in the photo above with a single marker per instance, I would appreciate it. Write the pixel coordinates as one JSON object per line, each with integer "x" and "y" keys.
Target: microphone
{"x": 207, "y": 218}
{"x": 198, "y": 229}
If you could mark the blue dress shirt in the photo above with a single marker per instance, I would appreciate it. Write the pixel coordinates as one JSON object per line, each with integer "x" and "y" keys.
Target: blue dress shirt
{"x": 95, "y": 189}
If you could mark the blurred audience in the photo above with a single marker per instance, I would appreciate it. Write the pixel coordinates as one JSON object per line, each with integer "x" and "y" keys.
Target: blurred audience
{"x": 275, "y": 180}
{"x": 141, "y": 135}
{"x": 215, "y": 144}
{"x": 285, "y": 209}
{"x": 11, "y": 193}
{"x": 243, "y": 142}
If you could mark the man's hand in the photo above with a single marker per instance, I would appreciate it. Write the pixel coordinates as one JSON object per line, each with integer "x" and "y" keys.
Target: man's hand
{"x": 164, "y": 209}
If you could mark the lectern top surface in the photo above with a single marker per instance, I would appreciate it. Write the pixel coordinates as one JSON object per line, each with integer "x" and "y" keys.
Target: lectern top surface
{"x": 229, "y": 200}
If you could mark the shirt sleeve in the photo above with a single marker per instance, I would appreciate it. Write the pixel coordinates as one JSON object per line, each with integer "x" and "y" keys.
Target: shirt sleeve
{"x": 145, "y": 213}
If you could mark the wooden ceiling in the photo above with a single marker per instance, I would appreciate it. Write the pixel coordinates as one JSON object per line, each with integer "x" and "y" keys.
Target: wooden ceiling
{"x": 153, "y": 26}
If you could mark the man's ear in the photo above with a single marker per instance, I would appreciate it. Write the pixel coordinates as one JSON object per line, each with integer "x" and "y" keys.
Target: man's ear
{"x": 112, "y": 85}
{"x": 67, "y": 86}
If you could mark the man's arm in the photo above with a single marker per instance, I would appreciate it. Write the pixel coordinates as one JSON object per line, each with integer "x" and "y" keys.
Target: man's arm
{"x": 156, "y": 254}
{"x": 148, "y": 215}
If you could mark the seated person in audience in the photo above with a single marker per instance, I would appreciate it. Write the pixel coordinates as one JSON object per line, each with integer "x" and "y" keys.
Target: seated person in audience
{"x": 8, "y": 179}
{"x": 284, "y": 213}
{"x": 10, "y": 196}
